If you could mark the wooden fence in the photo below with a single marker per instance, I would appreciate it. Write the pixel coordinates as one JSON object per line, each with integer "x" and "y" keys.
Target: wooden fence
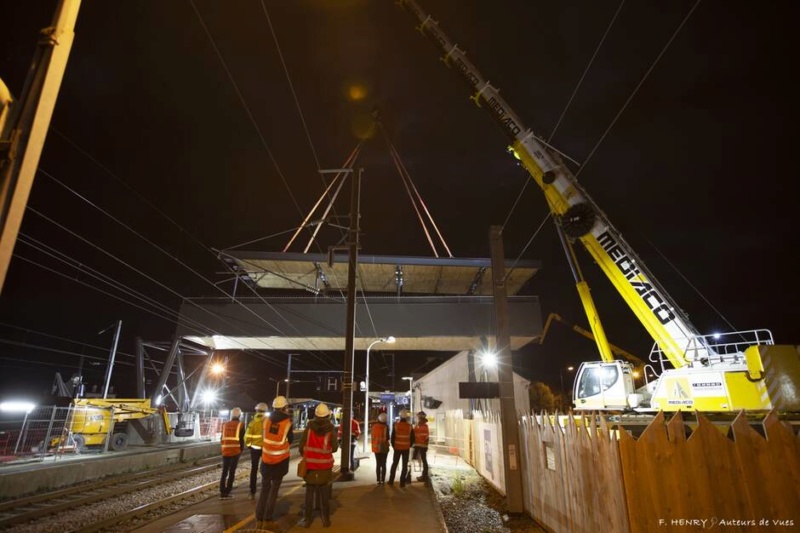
{"x": 581, "y": 474}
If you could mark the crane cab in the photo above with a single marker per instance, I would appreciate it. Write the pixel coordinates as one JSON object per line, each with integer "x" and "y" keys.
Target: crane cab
{"x": 603, "y": 386}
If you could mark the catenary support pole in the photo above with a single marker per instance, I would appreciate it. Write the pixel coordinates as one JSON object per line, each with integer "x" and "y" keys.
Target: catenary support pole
{"x": 350, "y": 328}
{"x": 505, "y": 371}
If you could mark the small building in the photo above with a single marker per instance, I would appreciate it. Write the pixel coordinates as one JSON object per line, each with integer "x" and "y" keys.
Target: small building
{"x": 437, "y": 392}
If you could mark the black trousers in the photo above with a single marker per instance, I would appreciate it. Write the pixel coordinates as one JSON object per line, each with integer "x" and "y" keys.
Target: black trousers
{"x": 396, "y": 456}
{"x": 255, "y": 463}
{"x": 269, "y": 495}
{"x": 321, "y": 494}
{"x": 422, "y": 454}
{"x": 380, "y": 466}
{"x": 229, "y": 465}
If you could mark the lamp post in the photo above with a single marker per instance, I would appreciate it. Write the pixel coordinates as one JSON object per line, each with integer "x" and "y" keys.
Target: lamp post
{"x": 570, "y": 368}
{"x": 387, "y": 340}
{"x": 410, "y": 395}
{"x": 278, "y": 386}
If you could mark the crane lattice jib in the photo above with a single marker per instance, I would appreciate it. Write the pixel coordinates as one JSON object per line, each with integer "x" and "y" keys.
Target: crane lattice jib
{"x": 576, "y": 211}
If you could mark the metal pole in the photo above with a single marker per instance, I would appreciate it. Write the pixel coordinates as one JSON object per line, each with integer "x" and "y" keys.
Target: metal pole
{"x": 508, "y": 411}
{"x": 411, "y": 397}
{"x": 365, "y": 429}
{"x": 349, "y": 349}
{"x": 113, "y": 355}
{"x": 288, "y": 376}
{"x": 22, "y": 431}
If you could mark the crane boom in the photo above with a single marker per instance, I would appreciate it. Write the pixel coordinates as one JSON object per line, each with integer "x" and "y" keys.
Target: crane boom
{"x": 580, "y": 217}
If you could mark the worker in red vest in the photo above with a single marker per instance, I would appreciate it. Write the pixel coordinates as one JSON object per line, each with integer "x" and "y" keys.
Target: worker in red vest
{"x": 232, "y": 444}
{"x": 355, "y": 432}
{"x": 401, "y": 439}
{"x": 380, "y": 446}
{"x": 317, "y": 446}
{"x": 275, "y": 443}
{"x": 421, "y": 438}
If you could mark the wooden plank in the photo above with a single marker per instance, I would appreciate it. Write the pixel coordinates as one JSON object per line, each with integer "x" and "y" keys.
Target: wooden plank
{"x": 714, "y": 472}
{"x": 648, "y": 497}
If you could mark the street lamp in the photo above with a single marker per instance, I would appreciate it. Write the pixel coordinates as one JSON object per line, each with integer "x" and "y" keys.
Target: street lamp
{"x": 387, "y": 340}
{"x": 561, "y": 374}
{"x": 278, "y": 385}
{"x": 488, "y": 361}
{"x": 410, "y": 394}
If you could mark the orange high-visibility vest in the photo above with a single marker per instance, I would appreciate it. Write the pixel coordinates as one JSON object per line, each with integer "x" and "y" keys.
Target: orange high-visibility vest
{"x": 380, "y": 435}
{"x": 402, "y": 436}
{"x": 318, "y": 451}
{"x": 275, "y": 445}
{"x": 230, "y": 438}
{"x": 421, "y": 436}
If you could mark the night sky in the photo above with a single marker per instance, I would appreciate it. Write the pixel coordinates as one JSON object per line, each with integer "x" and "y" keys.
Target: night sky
{"x": 160, "y": 152}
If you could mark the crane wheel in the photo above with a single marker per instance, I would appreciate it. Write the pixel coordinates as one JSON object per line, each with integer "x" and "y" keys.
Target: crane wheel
{"x": 578, "y": 220}
{"x": 80, "y": 443}
{"x": 119, "y": 441}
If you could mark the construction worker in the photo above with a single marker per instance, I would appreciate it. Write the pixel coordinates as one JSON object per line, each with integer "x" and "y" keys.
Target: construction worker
{"x": 401, "y": 439}
{"x": 421, "y": 438}
{"x": 355, "y": 432}
{"x": 232, "y": 444}
{"x": 276, "y": 440}
{"x": 317, "y": 446}
{"x": 380, "y": 446}
{"x": 252, "y": 439}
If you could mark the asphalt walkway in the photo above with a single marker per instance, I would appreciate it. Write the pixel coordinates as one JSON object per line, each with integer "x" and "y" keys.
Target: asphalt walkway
{"x": 356, "y": 505}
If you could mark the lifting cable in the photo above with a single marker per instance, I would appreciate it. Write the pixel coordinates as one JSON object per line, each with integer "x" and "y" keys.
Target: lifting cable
{"x": 307, "y": 222}
{"x": 414, "y": 196}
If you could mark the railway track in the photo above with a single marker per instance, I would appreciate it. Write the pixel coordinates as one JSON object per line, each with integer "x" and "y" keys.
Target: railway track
{"x": 102, "y": 504}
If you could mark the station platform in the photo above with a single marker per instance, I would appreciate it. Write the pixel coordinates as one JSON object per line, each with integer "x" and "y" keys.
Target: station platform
{"x": 356, "y": 505}
{"x": 58, "y": 471}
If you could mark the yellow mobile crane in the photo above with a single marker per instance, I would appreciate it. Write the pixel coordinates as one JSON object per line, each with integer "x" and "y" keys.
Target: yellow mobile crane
{"x": 95, "y": 421}
{"x": 710, "y": 373}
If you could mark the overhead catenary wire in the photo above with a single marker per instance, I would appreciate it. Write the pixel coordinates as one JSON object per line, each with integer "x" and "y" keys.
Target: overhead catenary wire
{"x": 182, "y": 263}
{"x": 141, "y": 197}
{"x": 245, "y": 105}
{"x": 138, "y": 271}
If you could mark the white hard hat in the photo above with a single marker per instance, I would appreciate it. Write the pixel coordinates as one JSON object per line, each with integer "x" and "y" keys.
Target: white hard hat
{"x": 404, "y": 413}
{"x": 322, "y": 411}
{"x": 279, "y": 402}
{"x": 382, "y": 417}
{"x": 236, "y": 412}
{"x": 261, "y": 407}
